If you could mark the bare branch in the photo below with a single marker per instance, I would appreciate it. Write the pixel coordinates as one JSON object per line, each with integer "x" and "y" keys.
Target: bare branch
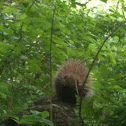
{"x": 51, "y": 41}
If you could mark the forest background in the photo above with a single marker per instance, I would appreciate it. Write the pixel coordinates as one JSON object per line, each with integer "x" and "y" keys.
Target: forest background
{"x": 37, "y": 36}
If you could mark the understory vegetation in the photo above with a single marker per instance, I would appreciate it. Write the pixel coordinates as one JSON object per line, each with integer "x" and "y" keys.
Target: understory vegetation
{"x": 37, "y": 36}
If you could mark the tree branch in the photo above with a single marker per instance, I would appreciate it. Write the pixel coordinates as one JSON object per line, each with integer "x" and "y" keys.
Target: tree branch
{"x": 101, "y": 48}
{"x": 51, "y": 41}
{"x": 94, "y": 62}
{"x": 20, "y": 30}
{"x": 31, "y": 6}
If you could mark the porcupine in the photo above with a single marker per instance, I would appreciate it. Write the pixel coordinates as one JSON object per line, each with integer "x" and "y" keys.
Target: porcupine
{"x": 69, "y": 82}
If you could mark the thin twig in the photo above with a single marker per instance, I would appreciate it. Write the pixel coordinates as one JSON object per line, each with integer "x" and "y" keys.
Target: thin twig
{"x": 117, "y": 6}
{"x": 123, "y": 11}
{"x": 80, "y": 105}
{"x": 76, "y": 86}
{"x": 94, "y": 62}
{"x": 31, "y": 6}
{"x": 51, "y": 41}
{"x": 21, "y": 34}
{"x": 124, "y": 15}
{"x": 12, "y": 95}
{"x": 84, "y": 60}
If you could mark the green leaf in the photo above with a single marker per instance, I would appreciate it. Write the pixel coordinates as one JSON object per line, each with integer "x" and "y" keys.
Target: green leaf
{"x": 71, "y": 52}
{"x": 71, "y": 42}
{"x": 3, "y": 89}
{"x": 104, "y": 1}
{"x": 4, "y": 47}
{"x": 90, "y": 39}
{"x": 46, "y": 1}
{"x": 21, "y": 17}
{"x": 59, "y": 53}
{"x": 35, "y": 113}
{"x": 121, "y": 1}
{"x": 41, "y": 120}
{"x": 113, "y": 60}
{"x": 45, "y": 114}
{"x": 8, "y": 31}
{"x": 16, "y": 119}
{"x": 3, "y": 95}
{"x": 73, "y": 3}
{"x": 28, "y": 119}
{"x": 10, "y": 9}
{"x": 34, "y": 65}
{"x": 3, "y": 86}
{"x": 60, "y": 41}
{"x": 1, "y": 27}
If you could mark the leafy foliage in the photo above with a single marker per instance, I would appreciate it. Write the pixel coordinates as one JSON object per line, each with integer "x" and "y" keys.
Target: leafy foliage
{"x": 36, "y": 118}
{"x": 78, "y": 32}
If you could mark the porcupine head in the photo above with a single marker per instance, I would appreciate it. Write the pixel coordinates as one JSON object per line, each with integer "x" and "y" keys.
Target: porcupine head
{"x": 69, "y": 82}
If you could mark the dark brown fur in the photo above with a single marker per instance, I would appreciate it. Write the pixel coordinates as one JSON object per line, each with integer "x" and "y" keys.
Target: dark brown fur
{"x": 69, "y": 81}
